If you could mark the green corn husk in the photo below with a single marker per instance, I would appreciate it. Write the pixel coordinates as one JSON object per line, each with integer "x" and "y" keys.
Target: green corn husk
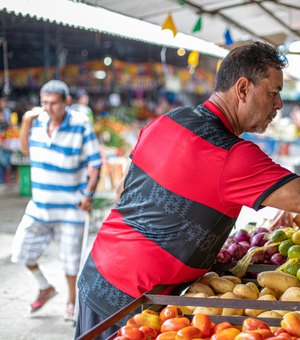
{"x": 241, "y": 267}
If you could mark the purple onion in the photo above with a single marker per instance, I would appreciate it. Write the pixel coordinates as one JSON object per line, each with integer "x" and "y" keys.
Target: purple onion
{"x": 237, "y": 251}
{"x": 245, "y": 244}
{"x": 258, "y": 257}
{"x": 224, "y": 256}
{"x": 259, "y": 239}
{"x": 241, "y": 235}
{"x": 229, "y": 241}
{"x": 269, "y": 252}
{"x": 277, "y": 259}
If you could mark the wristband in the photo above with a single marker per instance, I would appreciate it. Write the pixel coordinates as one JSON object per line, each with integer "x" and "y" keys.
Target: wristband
{"x": 88, "y": 193}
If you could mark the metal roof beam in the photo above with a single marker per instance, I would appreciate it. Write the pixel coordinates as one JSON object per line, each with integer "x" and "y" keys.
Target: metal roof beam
{"x": 283, "y": 24}
{"x": 201, "y": 10}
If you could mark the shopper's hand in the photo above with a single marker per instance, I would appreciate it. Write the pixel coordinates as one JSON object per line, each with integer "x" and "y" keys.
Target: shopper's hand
{"x": 85, "y": 204}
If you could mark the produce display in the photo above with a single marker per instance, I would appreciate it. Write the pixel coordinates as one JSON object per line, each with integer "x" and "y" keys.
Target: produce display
{"x": 171, "y": 324}
{"x": 226, "y": 306}
{"x": 279, "y": 247}
{"x": 272, "y": 286}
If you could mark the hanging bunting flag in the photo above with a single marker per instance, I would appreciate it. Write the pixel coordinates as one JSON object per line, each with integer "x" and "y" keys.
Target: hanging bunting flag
{"x": 198, "y": 25}
{"x": 218, "y": 64}
{"x": 169, "y": 25}
{"x": 227, "y": 36}
{"x": 193, "y": 60}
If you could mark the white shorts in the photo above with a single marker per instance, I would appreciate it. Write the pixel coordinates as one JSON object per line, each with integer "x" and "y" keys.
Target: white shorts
{"x": 33, "y": 237}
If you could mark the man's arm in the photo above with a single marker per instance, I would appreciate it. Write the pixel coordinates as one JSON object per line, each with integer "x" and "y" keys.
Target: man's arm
{"x": 286, "y": 197}
{"x": 86, "y": 201}
{"x": 27, "y": 120}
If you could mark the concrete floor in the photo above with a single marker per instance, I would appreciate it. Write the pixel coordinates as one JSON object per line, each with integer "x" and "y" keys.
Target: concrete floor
{"x": 18, "y": 289}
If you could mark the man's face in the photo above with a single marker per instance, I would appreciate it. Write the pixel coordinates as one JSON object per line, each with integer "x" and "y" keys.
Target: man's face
{"x": 54, "y": 105}
{"x": 264, "y": 101}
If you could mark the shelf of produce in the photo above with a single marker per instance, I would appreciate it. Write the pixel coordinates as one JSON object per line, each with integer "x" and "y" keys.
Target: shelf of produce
{"x": 154, "y": 301}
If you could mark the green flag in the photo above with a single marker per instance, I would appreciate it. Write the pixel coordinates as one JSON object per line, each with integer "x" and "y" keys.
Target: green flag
{"x": 198, "y": 25}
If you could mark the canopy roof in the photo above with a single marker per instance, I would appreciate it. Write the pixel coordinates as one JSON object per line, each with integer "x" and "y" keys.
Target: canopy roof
{"x": 274, "y": 21}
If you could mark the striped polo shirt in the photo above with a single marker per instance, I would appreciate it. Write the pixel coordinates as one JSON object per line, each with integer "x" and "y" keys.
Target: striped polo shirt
{"x": 188, "y": 180}
{"x": 59, "y": 167}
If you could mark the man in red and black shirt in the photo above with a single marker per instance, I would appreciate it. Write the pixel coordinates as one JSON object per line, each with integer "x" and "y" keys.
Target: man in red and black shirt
{"x": 189, "y": 176}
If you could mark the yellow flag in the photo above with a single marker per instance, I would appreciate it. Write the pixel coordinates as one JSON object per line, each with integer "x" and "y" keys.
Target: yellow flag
{"x": 169, "y": 25}
{"x": 218, "y": 64}
{"x": 193, "y": 58}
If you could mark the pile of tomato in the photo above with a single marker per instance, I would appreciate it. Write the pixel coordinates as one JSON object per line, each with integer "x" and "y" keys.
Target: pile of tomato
{"x": 171, "y": 324}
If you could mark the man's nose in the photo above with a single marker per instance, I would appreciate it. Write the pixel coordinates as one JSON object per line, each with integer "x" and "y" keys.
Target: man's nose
{"x": 278, "y": 105}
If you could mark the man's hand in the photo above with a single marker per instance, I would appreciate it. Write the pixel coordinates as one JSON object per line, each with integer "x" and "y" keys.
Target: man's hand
{"x": 85, "y": 204}
{"x": 27, "y": 120}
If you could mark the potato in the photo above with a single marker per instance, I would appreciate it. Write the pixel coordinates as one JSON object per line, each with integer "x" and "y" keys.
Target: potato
{"x": 269, "y": 314}
{"x": 198, "y": 287}
{"x": 236, "y": 280}
{"x": 245, "y": 292}
{"x": 267, "y": 291}
{"x": 199, "y": 295}
{"x": 282, "y": 312}
{"x": 254, "y": 312}
{"x": 254, "y": 288}
{"x": 231, "y": 311}
{"x": 207, "y": 277}
{"x": 221, "y": 285}
{"x": 277, "y": 280}
{"x": 291, "y": 294}
{"x": 209, "y": 310}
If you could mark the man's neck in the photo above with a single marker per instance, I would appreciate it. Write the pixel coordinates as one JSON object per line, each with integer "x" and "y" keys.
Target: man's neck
{"x": 227, "y": 105}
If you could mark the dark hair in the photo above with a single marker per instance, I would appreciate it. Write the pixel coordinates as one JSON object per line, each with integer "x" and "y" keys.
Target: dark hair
{"x": 251, "y": 61}
{"x": 56, "y": 86}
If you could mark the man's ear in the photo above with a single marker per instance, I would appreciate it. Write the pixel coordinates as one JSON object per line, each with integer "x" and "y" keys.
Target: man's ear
{"x": 242, "y": 88}
{"x": 68, "y": 100}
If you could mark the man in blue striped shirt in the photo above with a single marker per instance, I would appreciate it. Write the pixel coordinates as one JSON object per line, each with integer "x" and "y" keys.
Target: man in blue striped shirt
{"x": 62, "y": 146}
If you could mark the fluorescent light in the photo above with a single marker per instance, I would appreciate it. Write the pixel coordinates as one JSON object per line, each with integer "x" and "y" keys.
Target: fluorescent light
{"x": 100, "y": 74}
{"x": 88, "y": 17}
{"x": 294, "y": 65}
{"x": 294, "y": 46}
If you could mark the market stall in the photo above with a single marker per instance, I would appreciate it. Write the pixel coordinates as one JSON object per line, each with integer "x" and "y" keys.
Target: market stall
{"x": 264, "y": 296}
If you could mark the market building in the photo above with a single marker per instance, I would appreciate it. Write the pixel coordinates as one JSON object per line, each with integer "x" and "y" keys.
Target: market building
{"x": 132, "y": 76}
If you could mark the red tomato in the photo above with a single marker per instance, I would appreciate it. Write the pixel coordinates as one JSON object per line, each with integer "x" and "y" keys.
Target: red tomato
{"x": 188, "y": 333}
{"x": 150, "y": 333}
{"x": 203, "y": 322}
{"x": 291, "y": 323}
{"x": 174, "y": 324}
{"x": 223, "y": 325}
{"x": 283, "y": 336}
{"x": 133, "y": 333}
{"x": 249, "y": 335}
{"x": 279, "y": 331}
{"x": 170, "y": 312}
{"x": 251, "y": 324}
{"x": 226, "y": 334}
{"x": 171, "y": 335}
{"x": 265, "y": 333}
